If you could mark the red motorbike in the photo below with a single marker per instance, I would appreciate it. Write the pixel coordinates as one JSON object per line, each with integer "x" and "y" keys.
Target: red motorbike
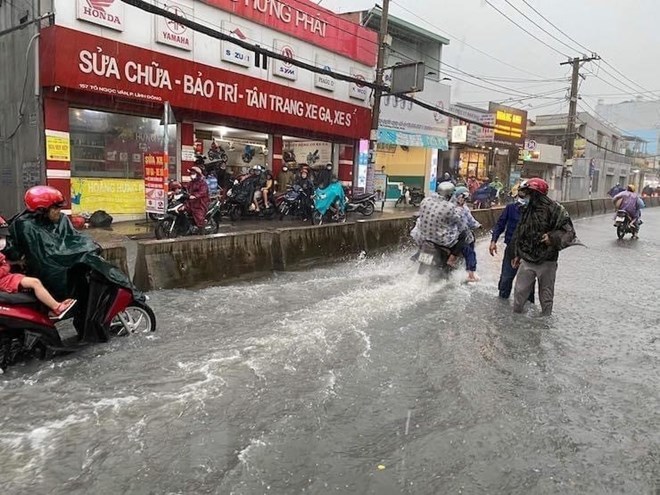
{"x": 27, "y": 331}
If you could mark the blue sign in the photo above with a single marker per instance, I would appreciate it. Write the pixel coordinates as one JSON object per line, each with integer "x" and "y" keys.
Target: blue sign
{"x": 389, "y": 136}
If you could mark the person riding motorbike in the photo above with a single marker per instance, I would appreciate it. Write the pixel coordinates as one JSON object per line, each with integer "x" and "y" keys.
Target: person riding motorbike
{"x": 460, "y": 197}
{"x": 324, "y": 177}
{"x": 14, "y": 282}
{"x": 266, "y": 183}
{"x": 632, "y": 204}
{"x": 198, "y": 199}
{"x": 545, "y": 228}
{"x": 67, "y": 262}
{"x": 441, "y": 222}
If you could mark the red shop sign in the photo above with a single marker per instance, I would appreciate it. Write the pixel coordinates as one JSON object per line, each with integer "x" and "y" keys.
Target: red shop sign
{"x": 84, "y": 62}
{"x": 155, "y": 178}
{"x": 305, "y": 20}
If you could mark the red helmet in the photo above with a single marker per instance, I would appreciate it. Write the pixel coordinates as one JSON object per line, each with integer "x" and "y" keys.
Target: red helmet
{"x": 174, "y": 185}
{"x": 535, "y": 184}
{"x": 42, "y": 198}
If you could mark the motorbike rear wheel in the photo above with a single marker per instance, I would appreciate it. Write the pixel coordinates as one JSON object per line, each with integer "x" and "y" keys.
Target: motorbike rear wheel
{"x": 164, "y": 229}
{"x": 136, "y": 318}
{"x": 620, "y": 231}
{"x": 317, "y": 218}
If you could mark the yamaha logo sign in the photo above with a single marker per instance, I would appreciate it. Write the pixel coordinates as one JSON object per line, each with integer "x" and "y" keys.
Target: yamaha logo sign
{"x": 106, "y": 13}
{"x": 172, "y": 33}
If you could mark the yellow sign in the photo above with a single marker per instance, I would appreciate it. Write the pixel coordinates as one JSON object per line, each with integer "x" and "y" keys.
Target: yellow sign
{"x": 116, "y": 196}
{"x": 58, "y": 146}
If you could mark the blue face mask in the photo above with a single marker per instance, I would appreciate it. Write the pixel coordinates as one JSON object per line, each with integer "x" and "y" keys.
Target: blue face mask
{"x": 522, "y": 201}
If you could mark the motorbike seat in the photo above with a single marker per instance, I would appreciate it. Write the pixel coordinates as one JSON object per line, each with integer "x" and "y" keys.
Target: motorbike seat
{"x": 361, "y": 197}
{"x": 17, "y": 298}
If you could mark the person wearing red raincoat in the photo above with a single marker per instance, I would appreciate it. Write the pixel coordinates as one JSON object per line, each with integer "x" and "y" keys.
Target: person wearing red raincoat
{"x": 198, "y": 200}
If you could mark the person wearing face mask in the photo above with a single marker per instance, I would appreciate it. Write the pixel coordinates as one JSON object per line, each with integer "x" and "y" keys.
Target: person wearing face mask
{"x": 198, "y": 199}
{"x": 545, "y": 228}
{"x": 506, "y": 225}
{"x": 284, "y": 179}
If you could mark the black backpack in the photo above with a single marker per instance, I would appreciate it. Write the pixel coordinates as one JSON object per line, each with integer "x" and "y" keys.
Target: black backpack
{"x": 100, "y": 219}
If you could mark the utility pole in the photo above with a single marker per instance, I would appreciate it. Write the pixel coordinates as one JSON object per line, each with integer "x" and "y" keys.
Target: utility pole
{"x": 378, "y": 93}
{"x": 571, "y": 130}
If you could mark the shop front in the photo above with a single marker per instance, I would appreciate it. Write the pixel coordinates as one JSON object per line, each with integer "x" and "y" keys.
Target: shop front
{"x": 410, "y": 138}
{"x": 104, "y": 102}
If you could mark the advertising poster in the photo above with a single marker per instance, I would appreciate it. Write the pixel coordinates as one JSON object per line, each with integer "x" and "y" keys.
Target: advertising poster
{"x": 58, "y": 146}
{"x": 116, "y": 196}
{"x": 155, "y": 182}
{"x": 363, "y": 164}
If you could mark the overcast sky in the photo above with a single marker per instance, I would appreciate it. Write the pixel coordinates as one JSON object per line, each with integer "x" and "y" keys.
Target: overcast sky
{"x": 624, "y": 33}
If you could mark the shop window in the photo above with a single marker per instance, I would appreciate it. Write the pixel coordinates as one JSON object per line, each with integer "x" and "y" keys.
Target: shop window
{"x": 111, "y": 145}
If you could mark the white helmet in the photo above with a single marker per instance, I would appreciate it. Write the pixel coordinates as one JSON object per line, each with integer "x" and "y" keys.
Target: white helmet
{"x": 446, "y": 189}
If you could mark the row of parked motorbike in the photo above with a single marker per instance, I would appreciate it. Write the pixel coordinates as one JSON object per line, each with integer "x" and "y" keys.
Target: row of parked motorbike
{"x": 323, "y": 206}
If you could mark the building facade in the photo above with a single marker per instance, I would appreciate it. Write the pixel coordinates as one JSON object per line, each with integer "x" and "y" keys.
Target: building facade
{"x": 599, "y": 159}
{"x": 106, "y": 71}
{"x": 409, "y": 136}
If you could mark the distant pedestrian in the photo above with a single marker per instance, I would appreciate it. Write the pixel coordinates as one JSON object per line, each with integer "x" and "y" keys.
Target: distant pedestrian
{"x": 545, "y": 228}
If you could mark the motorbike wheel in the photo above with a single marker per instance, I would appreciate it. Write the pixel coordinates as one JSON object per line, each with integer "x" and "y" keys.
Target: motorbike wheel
{"x": 235, "y": 213}
{"x": 317, "y": 218}
{"x": 368, "y": 209}
{"x": 164, "y": 230}
{"x": 620, "y": 231}
{"x": 284, "y": 210}
{"x": 136, "y": 318}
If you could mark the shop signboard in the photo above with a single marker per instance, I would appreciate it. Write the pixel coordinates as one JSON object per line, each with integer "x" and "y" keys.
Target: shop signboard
{"x": 363, "y": 163}
{"x": 102, "y": 66}
{"x": 474, "y": 131}
{"x": 510, "y": 123}
{"x": 169, "y": 32}
{"x": 358, "y": 91}
{"x": 285, "y": 70}
{"x": 487, "y": 134}
{"x": 411, "y": 125}
{"x": 459, "y": 134}
{"x": 232, "y": 53}
{"x": 116, "y": 196}
{"x": 155, "y": 182}
{"x": 58, "y": 146}
{"x": 306, "y": 21}
{"x": 311, "y": 152}
{"x": 321, "y": 80}
{"x": 106, "y": 13}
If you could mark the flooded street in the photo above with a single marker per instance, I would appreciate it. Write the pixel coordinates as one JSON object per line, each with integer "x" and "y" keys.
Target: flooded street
{"x": 361, "y": 377}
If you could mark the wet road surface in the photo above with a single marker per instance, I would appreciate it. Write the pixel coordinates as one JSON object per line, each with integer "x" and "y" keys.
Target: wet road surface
{"x": 361, "y": 377}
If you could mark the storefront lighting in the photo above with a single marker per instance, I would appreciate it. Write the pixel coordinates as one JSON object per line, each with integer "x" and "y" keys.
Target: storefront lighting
{"x": 223, "y": 131}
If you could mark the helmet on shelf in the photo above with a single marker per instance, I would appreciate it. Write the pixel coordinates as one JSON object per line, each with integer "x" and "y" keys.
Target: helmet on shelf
{"x": 43, "y": 197}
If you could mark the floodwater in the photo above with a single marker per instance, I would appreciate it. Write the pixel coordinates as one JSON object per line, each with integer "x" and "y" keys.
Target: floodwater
{"x": 364, "y": 378}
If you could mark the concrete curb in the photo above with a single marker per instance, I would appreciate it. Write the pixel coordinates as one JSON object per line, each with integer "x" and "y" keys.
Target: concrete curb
{"x": 193, "y": 261}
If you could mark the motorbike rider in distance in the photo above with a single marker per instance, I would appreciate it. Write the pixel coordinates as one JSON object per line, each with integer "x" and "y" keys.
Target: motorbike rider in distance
{"x": 198, "y": 199}
{"x": 441, "y": 222}
{"x": 632, "y": 204}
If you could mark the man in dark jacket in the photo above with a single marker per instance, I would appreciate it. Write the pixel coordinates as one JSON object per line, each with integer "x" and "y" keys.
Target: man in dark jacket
{"x": 198, "y": 199}
{"x": 506, "y": 225}
{"x": 545, "y": 228}
{"x": 324, "y": 177}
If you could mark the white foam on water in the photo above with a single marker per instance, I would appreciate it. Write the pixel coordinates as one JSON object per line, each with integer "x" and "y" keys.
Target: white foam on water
{"x": 255, "y": 443}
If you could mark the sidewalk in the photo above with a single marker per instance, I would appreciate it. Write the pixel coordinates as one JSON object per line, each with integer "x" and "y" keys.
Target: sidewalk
{"x": 139, "y": 230}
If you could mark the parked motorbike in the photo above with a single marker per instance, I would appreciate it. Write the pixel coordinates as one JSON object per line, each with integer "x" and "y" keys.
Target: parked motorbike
{"x": 362, "y": 203}
{"x": 624, "y": 224}
{"x": 177, "y": 220}
{"x": 295, "y": 203}
{"x": 26, "y": 331}
{"x": 412, "y": 196}
{"x": 329, "y": 205}
{"x": 239, "y": 201}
